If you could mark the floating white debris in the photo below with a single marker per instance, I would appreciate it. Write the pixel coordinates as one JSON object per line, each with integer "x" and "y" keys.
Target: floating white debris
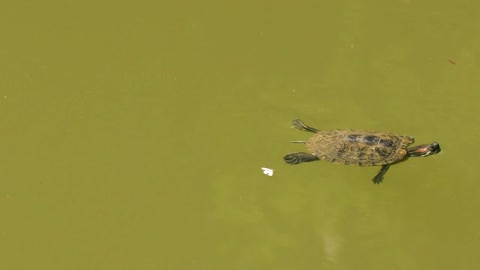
{"x": 267, "y": 171}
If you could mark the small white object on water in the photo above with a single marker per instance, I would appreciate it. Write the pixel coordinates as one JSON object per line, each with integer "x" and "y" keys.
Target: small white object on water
{"x": 267, "y": 171}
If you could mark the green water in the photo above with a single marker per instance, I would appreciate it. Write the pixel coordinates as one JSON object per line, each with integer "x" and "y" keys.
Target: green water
{"x": 133, "y": 134}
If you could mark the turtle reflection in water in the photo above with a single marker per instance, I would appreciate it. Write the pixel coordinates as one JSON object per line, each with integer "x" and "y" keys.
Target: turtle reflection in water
{"x": 358, "y": 147}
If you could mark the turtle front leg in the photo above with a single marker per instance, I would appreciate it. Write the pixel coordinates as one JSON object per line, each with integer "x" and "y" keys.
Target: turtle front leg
{"x": 379, "y": 177}
{"x": 298, "y": 124}
{"x": 296, "y": 158}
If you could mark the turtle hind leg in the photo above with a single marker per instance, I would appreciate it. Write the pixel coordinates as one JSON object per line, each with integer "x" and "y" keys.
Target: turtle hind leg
{"x": 296, "y": 158}
{"x": 377, "y": 179}
{"x": 298, "y": 124}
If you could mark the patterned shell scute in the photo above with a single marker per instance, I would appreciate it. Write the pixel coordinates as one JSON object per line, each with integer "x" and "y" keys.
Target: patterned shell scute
{"x": 358, "y": 147}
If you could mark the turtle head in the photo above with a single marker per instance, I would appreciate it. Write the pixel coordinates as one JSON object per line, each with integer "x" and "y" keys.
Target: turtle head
{"x": 424, "y": 150}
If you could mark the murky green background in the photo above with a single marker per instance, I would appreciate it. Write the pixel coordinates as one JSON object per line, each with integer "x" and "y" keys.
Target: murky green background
{"x": 132, "y": 135}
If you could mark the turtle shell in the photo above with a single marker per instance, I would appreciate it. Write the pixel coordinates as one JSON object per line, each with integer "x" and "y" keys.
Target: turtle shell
{"x": 358, "y": 147}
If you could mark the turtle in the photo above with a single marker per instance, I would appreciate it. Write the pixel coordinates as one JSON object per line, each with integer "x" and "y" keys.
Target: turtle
{"x": 358, "y": 147}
